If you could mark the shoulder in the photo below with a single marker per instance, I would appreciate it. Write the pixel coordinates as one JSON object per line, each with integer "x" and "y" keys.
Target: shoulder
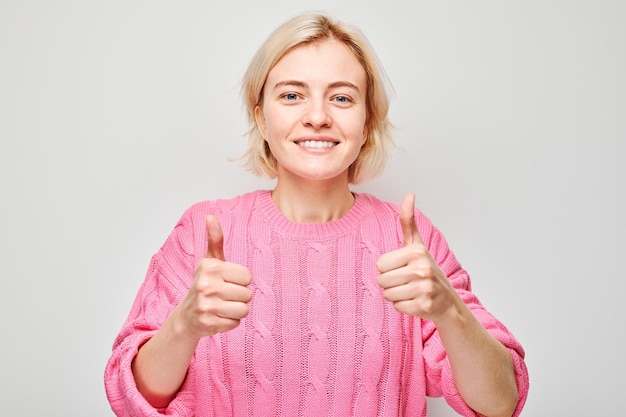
{"x": 387, "y": 214}
{"x": 380, "y": 207}
{"x": 222, "y": 208}
{"x": 230, "y": 212}
{"x": 376, "y": 206}
{"x": 189, "y": 233}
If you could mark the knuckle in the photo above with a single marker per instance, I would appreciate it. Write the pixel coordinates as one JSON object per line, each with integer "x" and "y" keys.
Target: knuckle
{"x": 206, "y": 269}
{"x": 200, "y": 284}
{"x": 211, "y": 265}
{"x": 206, "y": 308}
{"x": 209, "y": 324}
{"x": 422, "y": 268}
{"x": 206, "y": 286}
{"x": 427, "y": 306}
{"x": 418, "y": 251}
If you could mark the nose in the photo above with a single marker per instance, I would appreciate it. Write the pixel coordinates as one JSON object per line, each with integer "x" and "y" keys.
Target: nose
{"x": 317, "y": 114}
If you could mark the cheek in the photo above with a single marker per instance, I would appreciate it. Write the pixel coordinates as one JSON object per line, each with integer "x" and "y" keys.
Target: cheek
{"x": 270, "y": 120}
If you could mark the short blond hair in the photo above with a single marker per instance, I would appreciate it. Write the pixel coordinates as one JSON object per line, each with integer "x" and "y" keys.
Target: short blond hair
{"x": 305, "y": 29}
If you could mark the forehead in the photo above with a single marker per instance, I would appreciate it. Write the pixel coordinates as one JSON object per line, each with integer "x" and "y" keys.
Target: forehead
{"x": 326, "y": 61}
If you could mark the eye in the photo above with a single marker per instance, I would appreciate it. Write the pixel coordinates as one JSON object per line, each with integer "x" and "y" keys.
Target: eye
{"x": 290, "y": 96}
{"x": 342, "y": 99}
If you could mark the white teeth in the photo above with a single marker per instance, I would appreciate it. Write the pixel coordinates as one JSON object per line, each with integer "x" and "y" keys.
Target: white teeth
{"x": 316, "y": 144}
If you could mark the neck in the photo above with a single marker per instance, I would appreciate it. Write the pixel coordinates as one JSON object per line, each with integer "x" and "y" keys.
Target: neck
{"x": 313, "y": 201}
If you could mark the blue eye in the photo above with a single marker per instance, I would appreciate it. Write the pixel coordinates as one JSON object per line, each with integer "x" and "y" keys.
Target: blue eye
{"x": 291, "y": 96}
{"x": 342, "y": 99}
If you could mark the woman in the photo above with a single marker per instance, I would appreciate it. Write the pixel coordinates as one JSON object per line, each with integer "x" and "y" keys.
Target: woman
{"x": 310, "y": 299}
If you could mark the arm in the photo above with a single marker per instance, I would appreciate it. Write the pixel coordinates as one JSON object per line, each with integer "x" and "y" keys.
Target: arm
{"x": 481, "y": 366}
{"x": 216, "y": 302}
{"x": 161, "y": 313}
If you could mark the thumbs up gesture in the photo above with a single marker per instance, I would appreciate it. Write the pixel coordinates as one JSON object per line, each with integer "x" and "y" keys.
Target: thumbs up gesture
{"x": 217, "y": 299}
{"x": 410, "y": 277}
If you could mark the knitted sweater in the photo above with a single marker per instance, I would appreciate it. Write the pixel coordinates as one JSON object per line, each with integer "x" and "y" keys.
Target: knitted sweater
{"x": 319, "y": 340}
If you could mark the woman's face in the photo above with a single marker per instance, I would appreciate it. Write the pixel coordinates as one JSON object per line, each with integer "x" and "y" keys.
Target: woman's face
{"x": 314, "y": 111}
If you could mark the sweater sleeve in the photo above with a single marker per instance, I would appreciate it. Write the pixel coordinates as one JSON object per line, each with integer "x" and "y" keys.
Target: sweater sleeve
{"x": 440, "y": 381}
{"x": 166, "y": 283}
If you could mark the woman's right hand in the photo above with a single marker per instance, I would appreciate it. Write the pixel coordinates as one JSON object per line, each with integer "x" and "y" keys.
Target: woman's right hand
{"x": 216, "y": 302}
{"x": 218, "y": 297}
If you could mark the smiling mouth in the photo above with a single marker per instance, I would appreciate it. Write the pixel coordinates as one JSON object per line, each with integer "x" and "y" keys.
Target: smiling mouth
{"x": 316, "y": 144}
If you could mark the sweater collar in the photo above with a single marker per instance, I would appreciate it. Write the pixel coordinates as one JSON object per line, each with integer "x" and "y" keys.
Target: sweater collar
{"x": 312, "y": 231}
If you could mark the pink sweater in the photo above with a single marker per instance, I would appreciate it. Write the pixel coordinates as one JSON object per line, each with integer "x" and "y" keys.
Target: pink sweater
{"x": 319, "y": 339}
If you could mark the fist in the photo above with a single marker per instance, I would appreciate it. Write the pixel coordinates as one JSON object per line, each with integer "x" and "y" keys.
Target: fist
{"x": 217, "y": 299}
{"x": 410, "y": 277}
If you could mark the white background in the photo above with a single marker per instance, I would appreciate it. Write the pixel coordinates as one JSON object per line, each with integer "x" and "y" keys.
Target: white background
{"x": 115, "y": 116}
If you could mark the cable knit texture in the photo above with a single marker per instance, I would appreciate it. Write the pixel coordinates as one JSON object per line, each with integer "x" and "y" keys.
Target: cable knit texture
{"x": 319, "y": 339}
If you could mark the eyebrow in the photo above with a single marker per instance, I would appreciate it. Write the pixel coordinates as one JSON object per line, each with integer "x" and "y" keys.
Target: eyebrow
{"x": 302, "y": 84}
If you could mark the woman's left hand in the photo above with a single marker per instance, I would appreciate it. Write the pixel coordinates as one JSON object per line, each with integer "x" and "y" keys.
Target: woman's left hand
{"x": 410, "y": 277}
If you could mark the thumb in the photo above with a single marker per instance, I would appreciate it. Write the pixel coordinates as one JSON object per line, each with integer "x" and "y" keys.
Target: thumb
{"x": 410, "y": 235}
{"x": 215, "y": 238}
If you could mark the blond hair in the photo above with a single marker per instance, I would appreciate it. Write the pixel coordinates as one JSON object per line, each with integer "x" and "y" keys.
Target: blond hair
{"x": 305, "y": 29}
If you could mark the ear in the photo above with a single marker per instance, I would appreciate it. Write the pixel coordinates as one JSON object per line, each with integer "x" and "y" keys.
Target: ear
{"x": 260, "y": 119}
{"x": 366, "y": 131}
